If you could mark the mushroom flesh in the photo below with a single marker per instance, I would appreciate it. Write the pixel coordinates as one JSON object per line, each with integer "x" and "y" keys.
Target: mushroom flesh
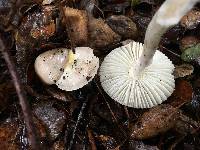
{"x": 68, "y": 70}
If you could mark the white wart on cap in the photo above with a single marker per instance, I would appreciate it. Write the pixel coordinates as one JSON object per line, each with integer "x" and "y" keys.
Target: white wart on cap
{"x": 144, "y": 90}
{"x": 67, "y": 70}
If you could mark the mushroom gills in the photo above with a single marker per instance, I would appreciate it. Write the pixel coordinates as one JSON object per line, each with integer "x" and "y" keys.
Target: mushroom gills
{"x": 150, "y": 87}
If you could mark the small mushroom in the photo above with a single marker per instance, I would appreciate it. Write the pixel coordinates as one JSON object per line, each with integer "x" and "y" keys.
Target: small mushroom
{"x": 68, "y": 70}
{"x": 138, "y": 75}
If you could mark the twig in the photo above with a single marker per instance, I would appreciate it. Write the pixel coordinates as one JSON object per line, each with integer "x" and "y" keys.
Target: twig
{"x": 68, "y": 22}
{"x": 112, "y": 113}
{"x": 21, "y": 95}
{"x": 127, "y": 115}
{"x": 35, "y": 94}
{"x": 108, "y": 105}
{"x": 177, "y": 55}
{"x": 80, "y": 116}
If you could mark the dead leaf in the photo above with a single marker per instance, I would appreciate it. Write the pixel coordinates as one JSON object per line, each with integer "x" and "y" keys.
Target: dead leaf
{"x": 139, "y": 145}
{"x": 76, "y": 21}
{"x": 122, "y": 25}
{"x": 191, "y": 19}
{"x": 100, "y": 34}
{"x": 181, "y": 95}
{"x": 36, "y": 28}
{"x": 157, "y": 120}
{"x": 8, "y": 134}
{"x": 58, "y": 145}
{"x": 107, "y": 141}
{"x": 49, "y": 116}
{"x": 187, "y": 42}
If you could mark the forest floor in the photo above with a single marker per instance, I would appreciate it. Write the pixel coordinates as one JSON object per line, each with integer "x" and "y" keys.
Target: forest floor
{"x": 49, "y": 118}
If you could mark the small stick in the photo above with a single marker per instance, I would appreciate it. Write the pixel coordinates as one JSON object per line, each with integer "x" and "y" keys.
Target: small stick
{"x": 80, "y": 116}
{"x": 68, "y": 22}
{"x": 112, "y": 113}
{"x": 22, "y": 97}
{"x": 108, "y": 105}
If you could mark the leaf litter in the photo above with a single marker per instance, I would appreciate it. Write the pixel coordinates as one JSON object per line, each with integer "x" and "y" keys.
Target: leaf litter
{"x": 88, "y": 118}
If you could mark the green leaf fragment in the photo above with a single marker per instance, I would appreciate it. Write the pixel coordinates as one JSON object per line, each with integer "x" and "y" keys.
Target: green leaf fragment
{"x": 191, "y": 53}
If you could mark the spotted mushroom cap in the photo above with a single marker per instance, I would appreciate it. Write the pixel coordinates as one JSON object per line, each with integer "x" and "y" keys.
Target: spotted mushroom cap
{"x": 80, "y": 70}
{"x": 150, "y": 87}
{"x": 67, "y": 70}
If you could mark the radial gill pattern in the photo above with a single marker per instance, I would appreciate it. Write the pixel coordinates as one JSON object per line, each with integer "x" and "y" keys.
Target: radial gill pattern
{"x": 153, "y": 86}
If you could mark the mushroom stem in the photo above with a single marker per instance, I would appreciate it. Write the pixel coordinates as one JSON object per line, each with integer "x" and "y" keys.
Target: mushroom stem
{"x": 168, "y": 15}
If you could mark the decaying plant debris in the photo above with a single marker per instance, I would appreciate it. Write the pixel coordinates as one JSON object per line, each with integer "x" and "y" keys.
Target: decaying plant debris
{"x": 88, "y": 118}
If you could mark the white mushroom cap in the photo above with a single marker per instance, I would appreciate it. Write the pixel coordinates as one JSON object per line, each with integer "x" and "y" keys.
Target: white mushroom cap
{"x": 67, "y": 70}
{"x": 144, "y": 90}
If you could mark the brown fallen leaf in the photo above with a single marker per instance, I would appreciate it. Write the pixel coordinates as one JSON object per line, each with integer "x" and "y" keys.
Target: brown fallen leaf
{"x": 7, "y": 92}
{"x": 123, "y": 25}
{"x": 76, "y": 23}
{"x": 49, "y": 116}
{"x": 47, "y": 30}
{"x": 183, "y": 70}
{"x": 59, "y": 94}
{"x": 41, "y": 128}
{"x": 155, "y": 121}
{"x": 107, "y": 141}
{"x": 35, "y": 29}
{"x": 58, "y": 145}
{"x": 187, "y": 42}
{"x": 142, "y": 23}
{"x": 191, "y": 19}
{"x": 186, "y": 125}
{"x": 91, "y": 140}
{"x": 139, "y": 145}
{"x": 182, "y": 93}
{"x": 100, "y": 34}
{"x": 8, "y": 134}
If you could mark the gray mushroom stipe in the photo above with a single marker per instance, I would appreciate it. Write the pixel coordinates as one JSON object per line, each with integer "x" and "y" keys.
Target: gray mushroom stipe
{"x": 168, "y": 15}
